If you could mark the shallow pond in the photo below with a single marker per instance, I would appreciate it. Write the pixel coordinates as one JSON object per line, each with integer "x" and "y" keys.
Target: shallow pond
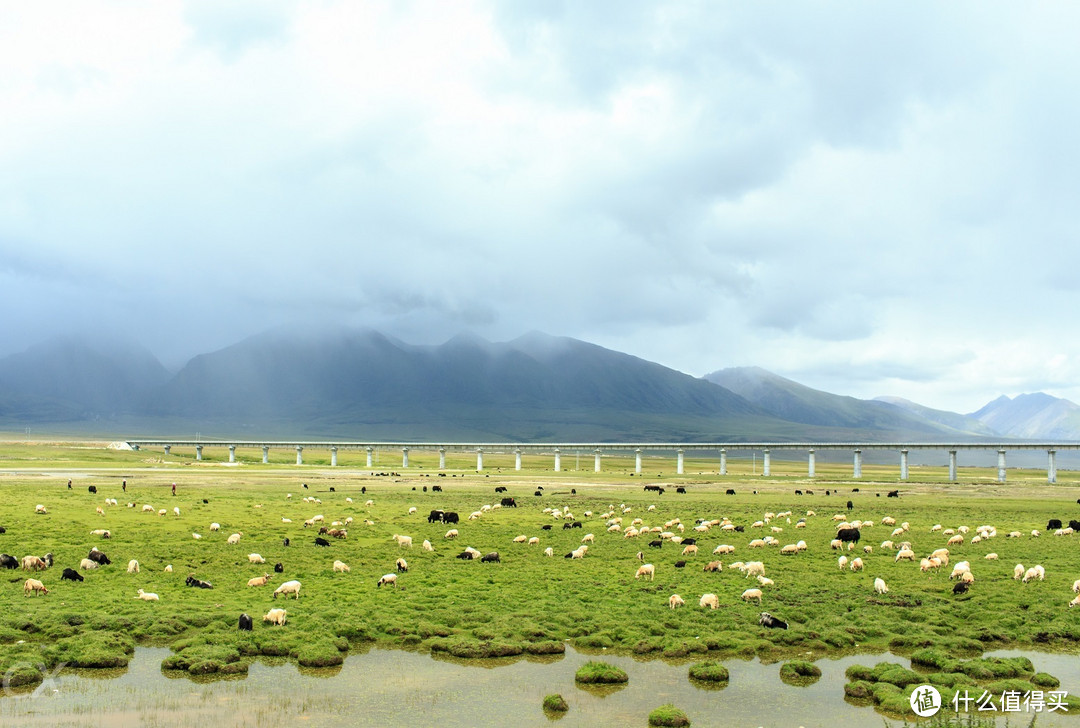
{"x": 398, "y": 688}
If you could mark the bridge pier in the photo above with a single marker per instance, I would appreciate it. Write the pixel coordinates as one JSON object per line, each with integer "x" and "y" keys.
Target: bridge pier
{"x": 333, "y": 457}
{"x": 299, "y": 454}
{"x": 952, "y": 466}
{"x": 517, "y": 459}
{"x": 903, "y": 465}
{"x": 404, "y": 457}
{"x": 766, "y": 463}
{"x": 232, "y": 453}
{"x": 1001, "y": 466}
{"x": 558, "y": 460}
{"x": 369, "y": 456}
{"x": 811, "y": 463}
{"x": 723, "y": 461}
{"x": 266, "y": 454}
{"x": 168, "y": 449}
{"x": 1051, "y": 467}
{"x": 442, "y": 458}
{"x": 479, "y": 459}
{"x": 198, "y": 452}
{"x": 637, "y": 461}
{"x": 857, "y": 468}
{"x": 596, "y": 460}
{"x": 679, "y": 462}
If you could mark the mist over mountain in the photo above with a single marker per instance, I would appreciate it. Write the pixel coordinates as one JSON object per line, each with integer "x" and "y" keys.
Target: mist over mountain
{"x": 363, "y": 384}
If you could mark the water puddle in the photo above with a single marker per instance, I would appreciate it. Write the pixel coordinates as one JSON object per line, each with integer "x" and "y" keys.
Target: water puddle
{"x": 399, "y": 688}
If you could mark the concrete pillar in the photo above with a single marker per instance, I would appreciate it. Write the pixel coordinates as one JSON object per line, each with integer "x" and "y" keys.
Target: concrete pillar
{"x": 168, "y": 448}
{"x": 442, "y": 458}
{"x": 1051, "y": 467}
{"x": 857, "y": 469}
{"x": 232, "y": 453}
{"x": 811, "y": 463}
{"x": 198, "y": 452}
{"x": 517, "y": 458}
{"x": 952, "y": 466}
{"x": 903, "y": 465}
{"x": 1001, "y": 466}
{"x": 299, "y": 454}
{"x": 266, "y": 454}
{"x": 479, "y": 459}
{"x": 679, "y": 462}
{"x": 558, "y": 461}
{"x": 596, "y": 461}
{"x": 404, "y": 457}
{"x": 723, "y": 462}
{"x": 369, "y": 456}
{"x": 637, "y": 461}
{"x": 766, "y": 464}
{"x": 333, "y": 457}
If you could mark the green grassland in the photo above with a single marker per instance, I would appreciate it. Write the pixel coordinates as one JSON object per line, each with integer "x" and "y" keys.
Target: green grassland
{"x": 527, "y": 604}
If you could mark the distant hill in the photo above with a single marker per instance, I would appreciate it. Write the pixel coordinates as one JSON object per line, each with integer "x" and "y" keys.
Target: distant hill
{"x": 1035, "y": 416}
{"x": 69, "y": 379}
{"x": 950, "y": 420}
{"x": 795, "y": 402}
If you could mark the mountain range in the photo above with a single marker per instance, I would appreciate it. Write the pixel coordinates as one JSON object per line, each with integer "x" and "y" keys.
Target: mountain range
{"x": 363, "y": 384}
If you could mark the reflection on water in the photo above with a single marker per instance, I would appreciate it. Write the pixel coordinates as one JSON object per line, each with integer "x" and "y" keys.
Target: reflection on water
{"x": 400, "y": 688}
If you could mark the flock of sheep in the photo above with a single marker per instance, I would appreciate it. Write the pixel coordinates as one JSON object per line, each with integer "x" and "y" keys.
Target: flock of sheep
{"x": 619, "y": 522}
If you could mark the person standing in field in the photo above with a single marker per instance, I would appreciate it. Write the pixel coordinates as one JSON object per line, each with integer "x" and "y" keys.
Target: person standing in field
{"x": 174, "y": 488}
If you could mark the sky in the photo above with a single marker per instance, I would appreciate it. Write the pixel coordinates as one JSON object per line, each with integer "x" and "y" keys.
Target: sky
{"x": 870, "y": 199}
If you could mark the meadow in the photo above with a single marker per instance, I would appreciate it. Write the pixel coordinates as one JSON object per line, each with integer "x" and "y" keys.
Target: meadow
{"x": 528, "y": 604}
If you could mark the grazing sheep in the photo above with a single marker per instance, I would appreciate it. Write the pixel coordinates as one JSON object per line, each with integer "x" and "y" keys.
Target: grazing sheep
{"x": 259, "y": 580}
{"x": 197, "y": 583}
{"x": 549, "y": 551}
{"x": 279, "y": 568}
{"x": 754, "y": 568}
{"x": 588, "y": 538}
{"x": 961, "y": 587}
{"x": 40, "y": 509}
{"x": 71, "y": 575}
{"x": 842, "y": 562}
{"x": 771, "y": 622}
{"x": 234, "y": 539}
{"x": 343, "y": 567}
{"x": 100, "y": 511}
{"x": 990, "y": 557}
{"x": 1035, "y": 572}
{"x": 752, "y": 594}
{"x": 215, "y": 526}
{"x": 675, "y": 601}
{"x": 713, "y": 566}
{"x": 868, "y": 549}
{"x": 403, "y": 541}
{"x": 412, "y": 510}
{"x": 1075, "y": 602}
{"x": 1018, "y": 574}
{"x": 401, "y": 565}
{"x": 286, "y": 520}
{"x": 521, "y": 539}
{"x": 905, "y": 554}
{"x": 244, "y": 623}
{"x": 289, "y": 587}
{"x": 168, "y": 569}
{"x": 256, "y": 559}
{"x": 133, "y": 567}
{"x": 879, "y": 586}
{"x": 196, "y": 536}
{"x": 724, "y": 549}
{"x": 388, "y": 579}
{"x": 690, "y": 550}
{"x": 147, "y": 508}
{"x": 452, "y": 533}
{"x": 967, "y": 577}
{"x": 427, "y": 546}
{"x": 709, "y": 600}
{"x": 162, "y": 512}
{"x": 856, "y": 564}
{"x": 275, "y": 616}
{"x": 491, "y": 558}
{"x": 959, "y": 568}
{"x": 790, "y": 549}
{"x": 646, "y": 570}
{"x": 147, "y": 596}
{"x": 1076, "y": 586}
{"x": 836, "y": 544}
{"x": 176, "y": 510}
{"x": 87, "y": 564}
{"x": 957, "y": 540}
{"x": 35, "y": 586}
{"x": 33, "y": 563}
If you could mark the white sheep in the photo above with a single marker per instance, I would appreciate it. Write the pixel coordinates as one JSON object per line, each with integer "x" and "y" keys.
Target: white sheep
{"x": 534, "y": 541}
{"x": 289, "y": 587}
{"x": 101, "y": 532}
{"x": 215, "y": 526}
{"x": 162, "y": 512}
{"x": 147, "y": 508}
{"x": 256, "y": 559}
{"x": 33, "y": 586}
{"x": 1018, "y": 574}
{"x": 403, "y": 541}
{"x": 754, "y": 568}
{"x": 176, "y": 510}
{"x": 675, "y": 601}
{"x": 259, "y": 580}
{"x": 147, "y": 596}
{"x": 235, "y": 538}
{"x": 856, "y": 564}
{"x": 168, "y": 569}
{"x": 40, "y": 509}
{"x": 133, "y": 567}
{"x": 412, "y": 510}
{"x": 100, "y": 511}
{"x": 275, "y": 616}
{"x": 588, "y": 538}
{"x": 646, "y": 570}
{"x": 765, "y": 581}
{"x": 709, "y": 600}
{"x": 86, "y": 564}
{"x": 521, "y": 539}
{"x": 388, "y": 579}
{"x": 752, "y": 594}
{"x": 879, "y": 586}
{"x": 196, "y": 536}
{"x": 842, "y": 562}
{"x": 1035, "y": 572}
{"x": 549, "y": 551}
{"x": 341, "y": 566}
{"x": 991, "y": 557}
{"x": 690, "y": 550}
